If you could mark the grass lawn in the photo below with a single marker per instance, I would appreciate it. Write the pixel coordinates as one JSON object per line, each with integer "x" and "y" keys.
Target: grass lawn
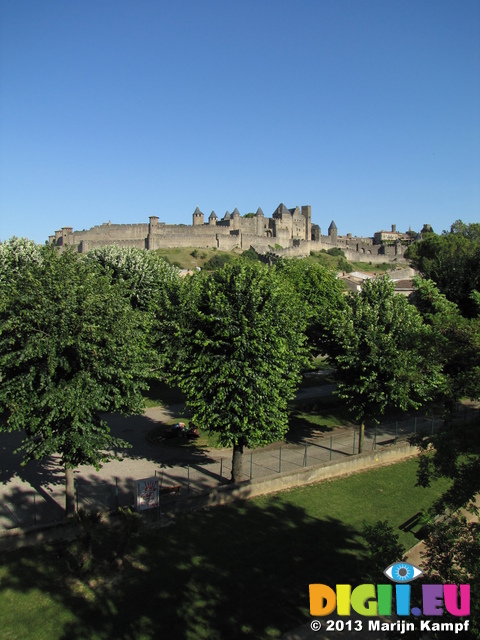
{"x": 190, "y": 257}
{"x": 234, "y": 572}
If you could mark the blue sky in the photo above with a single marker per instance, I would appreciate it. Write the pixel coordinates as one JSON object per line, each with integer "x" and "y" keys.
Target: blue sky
{"x": 367, "y": 110}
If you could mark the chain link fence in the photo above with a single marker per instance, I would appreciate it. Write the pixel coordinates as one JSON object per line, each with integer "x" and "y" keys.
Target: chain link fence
{"x": 26, "y": 508}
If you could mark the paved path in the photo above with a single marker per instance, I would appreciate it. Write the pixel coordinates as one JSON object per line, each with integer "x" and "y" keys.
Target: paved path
{"x": 35, "y": 494}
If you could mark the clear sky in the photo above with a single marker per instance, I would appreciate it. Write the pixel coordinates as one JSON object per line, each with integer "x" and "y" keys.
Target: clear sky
{"x": 368, "y": 110}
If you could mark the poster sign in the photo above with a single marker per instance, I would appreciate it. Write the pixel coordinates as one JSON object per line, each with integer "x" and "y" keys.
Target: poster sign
{"x": 147, "y": 494}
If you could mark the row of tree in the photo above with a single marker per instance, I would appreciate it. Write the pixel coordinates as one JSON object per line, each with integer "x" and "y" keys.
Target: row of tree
{"x": 82, "y": 335}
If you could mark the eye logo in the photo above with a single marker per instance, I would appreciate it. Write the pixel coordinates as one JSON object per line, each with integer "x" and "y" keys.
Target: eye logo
{"x": 402, "y": 572}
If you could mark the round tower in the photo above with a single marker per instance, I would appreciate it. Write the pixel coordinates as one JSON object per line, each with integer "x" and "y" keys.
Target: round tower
{"x": 198, "y": 217}
{"x": 333, "y": 232}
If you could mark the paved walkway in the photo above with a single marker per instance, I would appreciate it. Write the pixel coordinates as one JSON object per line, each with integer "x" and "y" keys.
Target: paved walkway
{"x": 35, "y": 494}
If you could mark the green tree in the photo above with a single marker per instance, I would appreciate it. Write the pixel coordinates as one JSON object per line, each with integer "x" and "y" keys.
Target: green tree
{"x": 452, "y": 556}
{"x": 71, "y": 348}
{"x": 15, "y": 254}
{"x": 322, "y": 293}
{"x": 218, "y": 261}
{"x": 455, "y": 341}
{"x": 382, "y": 356}
{"x": 383, "y": 548}
{"x": 153, "y": 286}
{"x": 454, "y": 452}
{"x": 149, "y": 280}
{"x": 240, "y": 349}
{"x": 452, "y": 261}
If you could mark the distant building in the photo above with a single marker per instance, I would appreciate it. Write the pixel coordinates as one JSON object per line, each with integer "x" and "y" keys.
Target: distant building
{"x": 381, "y": 237}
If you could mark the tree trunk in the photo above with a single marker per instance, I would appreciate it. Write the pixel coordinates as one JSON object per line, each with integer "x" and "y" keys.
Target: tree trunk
{"x": 69, "y": 492}
{"x": 361, "y": 437}
{"x": 237, "y": 462}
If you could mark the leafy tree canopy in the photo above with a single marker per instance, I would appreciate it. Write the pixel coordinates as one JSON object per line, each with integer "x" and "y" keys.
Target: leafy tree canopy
{"x": 322, "y": 293}
{"x": 381, "y": 352}
{"x": 240, "y": 346}
{"x": 15, "y": 254}
{"x": 71, "y": 347}
{"x": 153, "y": 286}
{"x": 452, "y": 261}
{"x": 454, "y": 339}
{"x": 148, "y": 278}
{"x": 455, "y": 452}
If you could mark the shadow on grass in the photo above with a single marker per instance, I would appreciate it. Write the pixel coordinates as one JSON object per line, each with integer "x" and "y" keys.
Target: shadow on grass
{"x": 311, "y": 418}
{"x": 235, "y": 572}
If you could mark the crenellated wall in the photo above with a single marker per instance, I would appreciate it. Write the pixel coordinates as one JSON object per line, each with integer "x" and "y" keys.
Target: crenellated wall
{"x": 291, "y": 229}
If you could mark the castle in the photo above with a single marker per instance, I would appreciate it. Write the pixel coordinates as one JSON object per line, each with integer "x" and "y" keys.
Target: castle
{"x": 288, "y": 232}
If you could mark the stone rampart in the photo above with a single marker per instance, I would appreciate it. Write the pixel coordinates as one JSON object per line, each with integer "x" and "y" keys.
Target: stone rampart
{"x": 290, "y": 229}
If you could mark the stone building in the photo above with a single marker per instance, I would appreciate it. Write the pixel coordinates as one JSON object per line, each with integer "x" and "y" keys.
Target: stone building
{"x": 286, "y": 232}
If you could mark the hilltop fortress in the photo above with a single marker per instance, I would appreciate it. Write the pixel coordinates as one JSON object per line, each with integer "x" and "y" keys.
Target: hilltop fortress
{"x": 288, "y": 232}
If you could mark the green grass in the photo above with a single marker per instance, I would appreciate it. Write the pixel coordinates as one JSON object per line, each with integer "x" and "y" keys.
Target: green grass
{"x": 380, "y": 267}
{"x": 234, "y": 572}
{"x": 324, "y": 259}
{"x": 303, "y": 422}
{"x": 183, "y": 258}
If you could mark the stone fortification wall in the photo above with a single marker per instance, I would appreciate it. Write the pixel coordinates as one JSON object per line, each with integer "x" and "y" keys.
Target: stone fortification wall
{"x": 292, "y": 229}
{"x": 249, "y": 226}
{"x": 87, "y": 245}
{"x": 112, "y": 232}
{"x": 374, "y": 258}
{"x": 175, "y": 240}
{"x": 260, "y": 245}
{"x": 299, "y": 251}
{"x": 229, "y": 242}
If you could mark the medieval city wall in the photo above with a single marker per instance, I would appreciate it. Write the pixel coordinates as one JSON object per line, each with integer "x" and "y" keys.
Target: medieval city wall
{"x": 290, "y": 229}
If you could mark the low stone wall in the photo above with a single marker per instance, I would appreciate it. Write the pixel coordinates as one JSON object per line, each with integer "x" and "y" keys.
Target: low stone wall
{"x": 226, "y": 494}
{"x": 229, "y": 493}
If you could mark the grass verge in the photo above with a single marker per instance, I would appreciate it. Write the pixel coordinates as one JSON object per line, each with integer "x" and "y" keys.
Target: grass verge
{"x": 235, "y": 572}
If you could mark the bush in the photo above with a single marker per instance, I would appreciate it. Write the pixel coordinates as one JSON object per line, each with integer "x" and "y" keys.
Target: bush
{"x": 218, "y": 261}
{"x": 344, "y": 265}
{"x": 250, "y": 254}
{"x": 335, "y": 251}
